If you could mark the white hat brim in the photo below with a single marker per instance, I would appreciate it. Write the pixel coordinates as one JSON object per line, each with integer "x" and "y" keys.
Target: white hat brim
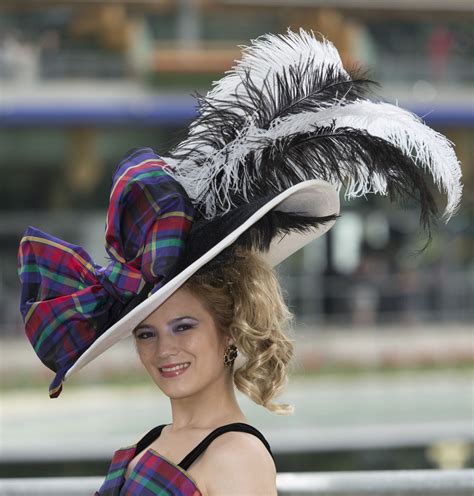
{"x": 311, "y": 198}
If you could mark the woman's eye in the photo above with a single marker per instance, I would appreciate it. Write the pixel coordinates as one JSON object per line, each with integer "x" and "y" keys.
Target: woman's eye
{"x": 182, "y": 327}
{"x": 144, "y": 335}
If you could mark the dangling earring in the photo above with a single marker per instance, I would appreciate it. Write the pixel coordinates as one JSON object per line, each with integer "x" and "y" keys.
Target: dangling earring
{"x": 230, "y": 355}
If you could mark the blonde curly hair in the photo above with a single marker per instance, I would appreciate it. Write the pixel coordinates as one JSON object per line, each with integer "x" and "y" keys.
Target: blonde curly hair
{"x": 245, "y": 298}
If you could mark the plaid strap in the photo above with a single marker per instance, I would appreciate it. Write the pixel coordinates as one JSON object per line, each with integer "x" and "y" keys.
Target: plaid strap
{"x": 67, "y": 301}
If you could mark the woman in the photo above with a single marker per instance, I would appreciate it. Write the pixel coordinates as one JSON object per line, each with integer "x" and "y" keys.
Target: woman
{"x": 199, "y": 328}
{"x": 260, "y": 172}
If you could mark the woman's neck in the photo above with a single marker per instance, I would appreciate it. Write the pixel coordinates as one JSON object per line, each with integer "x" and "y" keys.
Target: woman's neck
{"x": 209, "y": 408}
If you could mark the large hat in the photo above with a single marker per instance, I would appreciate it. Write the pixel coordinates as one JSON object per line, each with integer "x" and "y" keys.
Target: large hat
{"x": 262, "y": 166}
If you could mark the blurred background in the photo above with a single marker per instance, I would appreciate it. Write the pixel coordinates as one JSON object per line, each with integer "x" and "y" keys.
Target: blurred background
{"x": 383, "y": 377}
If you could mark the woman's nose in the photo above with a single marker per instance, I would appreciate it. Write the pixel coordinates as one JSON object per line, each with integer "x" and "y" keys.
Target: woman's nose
{"x": 167, "y": 346}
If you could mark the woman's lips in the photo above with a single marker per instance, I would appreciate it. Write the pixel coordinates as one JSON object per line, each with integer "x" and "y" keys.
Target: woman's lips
{"x": 175, "y": 371}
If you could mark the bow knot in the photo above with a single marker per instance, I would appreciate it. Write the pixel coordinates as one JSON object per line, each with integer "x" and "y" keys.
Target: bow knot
{"x": 67, "y": 301}
{"x": 121, "y": 280}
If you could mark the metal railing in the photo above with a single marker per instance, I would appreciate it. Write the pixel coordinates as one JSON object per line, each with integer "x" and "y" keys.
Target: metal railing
{"x": 385, "y": 483}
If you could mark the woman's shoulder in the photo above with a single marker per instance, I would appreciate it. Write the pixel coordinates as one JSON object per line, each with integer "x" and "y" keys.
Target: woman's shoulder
{"x": 238, "y": 462}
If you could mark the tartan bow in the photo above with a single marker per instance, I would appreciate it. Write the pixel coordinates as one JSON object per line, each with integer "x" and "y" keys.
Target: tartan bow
{"x": 67, "y": 301}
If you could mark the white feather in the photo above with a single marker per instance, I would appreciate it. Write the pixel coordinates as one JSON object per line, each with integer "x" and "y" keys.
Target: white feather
{"x": 429, "y": 149}
{"x": 272, "y": 55}
{"x": 269, "y": 57}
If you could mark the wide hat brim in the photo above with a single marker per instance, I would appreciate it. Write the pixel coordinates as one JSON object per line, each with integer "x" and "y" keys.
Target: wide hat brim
{"x": 312, "y": 198}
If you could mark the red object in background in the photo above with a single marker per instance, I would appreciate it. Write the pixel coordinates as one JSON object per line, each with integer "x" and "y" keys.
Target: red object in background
{"x": 439, "y": 47}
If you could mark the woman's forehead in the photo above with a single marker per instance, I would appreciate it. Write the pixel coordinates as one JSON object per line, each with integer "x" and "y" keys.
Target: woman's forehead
{"x": 182, "y": 302}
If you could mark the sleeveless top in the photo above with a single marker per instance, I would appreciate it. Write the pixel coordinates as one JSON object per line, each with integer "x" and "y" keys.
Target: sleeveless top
{"x": 155, "y": 475}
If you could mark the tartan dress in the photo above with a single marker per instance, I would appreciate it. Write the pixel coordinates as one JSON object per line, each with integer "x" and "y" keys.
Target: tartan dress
{"x": 154, "y": 474}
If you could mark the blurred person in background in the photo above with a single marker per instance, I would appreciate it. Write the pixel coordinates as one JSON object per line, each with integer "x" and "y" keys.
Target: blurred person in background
{"x": 192, "y": 239}
{"x": 439, "y": 46}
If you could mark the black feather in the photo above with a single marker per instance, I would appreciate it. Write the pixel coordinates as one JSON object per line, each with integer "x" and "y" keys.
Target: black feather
{"x": 333, "y": 155}
{"x": 299, "y": 89}
{"x": 337, "y": 154}
{"x": 206, "y": 233}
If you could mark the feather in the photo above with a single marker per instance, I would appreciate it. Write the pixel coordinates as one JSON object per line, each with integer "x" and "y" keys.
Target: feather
{"x": 289, "y": 111}
{"x": 337, "y": 155}
{"x": 428, "y": 149}
{"x": 279, "y": 75}
{"x": 273, "y": 56}
{"x": 206, "y": 233}
{"x": 259, "y": 236}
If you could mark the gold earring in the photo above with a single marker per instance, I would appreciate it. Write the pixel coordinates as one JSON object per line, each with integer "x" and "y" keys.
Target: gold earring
{"x": 230, "y": 355}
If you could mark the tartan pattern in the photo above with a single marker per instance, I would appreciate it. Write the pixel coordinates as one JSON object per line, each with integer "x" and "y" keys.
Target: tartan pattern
{"x": 153, "y": 475}
{"x": 67, "y": 301}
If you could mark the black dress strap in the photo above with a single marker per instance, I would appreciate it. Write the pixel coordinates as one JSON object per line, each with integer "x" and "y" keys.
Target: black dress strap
{"x": 148, "y": 438}
{"x": 236, "y": 426}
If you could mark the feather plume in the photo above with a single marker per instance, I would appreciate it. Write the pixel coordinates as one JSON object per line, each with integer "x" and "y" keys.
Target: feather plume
{"x": 426, "y": 148}
{"x": 207, "y": 233}
{"x": 289, "y": 111}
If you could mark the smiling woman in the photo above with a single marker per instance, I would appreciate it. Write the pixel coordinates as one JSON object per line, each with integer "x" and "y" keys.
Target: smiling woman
{"x": 193, "y": 239}
{"x": 188, "y": 347}
{"x": 220, "y": 319}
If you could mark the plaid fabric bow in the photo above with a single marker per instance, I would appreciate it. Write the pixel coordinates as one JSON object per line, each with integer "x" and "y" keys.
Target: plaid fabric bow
{"x": 67, "y": 301}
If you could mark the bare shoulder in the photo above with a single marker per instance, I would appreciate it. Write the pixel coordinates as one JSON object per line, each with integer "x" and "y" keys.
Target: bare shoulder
{"x": 238, "y": 463}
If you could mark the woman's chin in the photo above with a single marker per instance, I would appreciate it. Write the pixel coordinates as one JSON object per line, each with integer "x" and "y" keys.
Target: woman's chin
{"x": 175, "y": 391}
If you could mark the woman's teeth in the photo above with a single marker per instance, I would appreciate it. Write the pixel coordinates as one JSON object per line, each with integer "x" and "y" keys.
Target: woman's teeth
{"x": 176, "y": 367}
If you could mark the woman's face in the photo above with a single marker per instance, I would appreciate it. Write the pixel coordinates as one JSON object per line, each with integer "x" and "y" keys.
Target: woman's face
{"x": 182, "y": 333}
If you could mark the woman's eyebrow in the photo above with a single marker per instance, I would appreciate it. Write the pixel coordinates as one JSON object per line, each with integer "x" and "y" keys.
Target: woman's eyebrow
{"x": 141, "y": 326}
{"x": 181, "y": 318}
{"x": 172, "y": 321}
